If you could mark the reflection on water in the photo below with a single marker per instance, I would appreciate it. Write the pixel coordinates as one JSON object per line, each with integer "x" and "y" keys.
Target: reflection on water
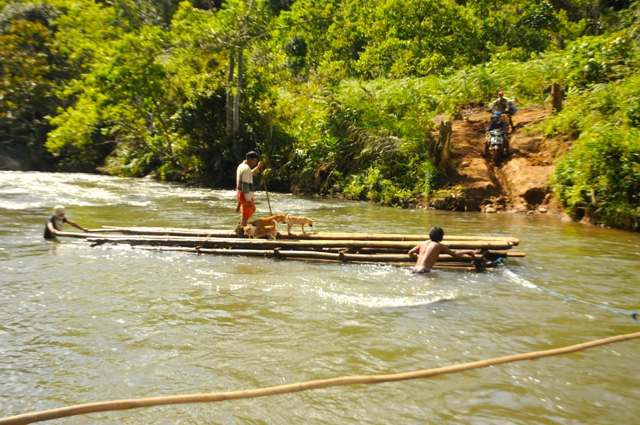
{"x": 81, "y": 324}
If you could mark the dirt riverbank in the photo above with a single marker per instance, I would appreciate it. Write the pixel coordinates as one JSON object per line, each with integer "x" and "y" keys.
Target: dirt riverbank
{"x": 519, "y": 184}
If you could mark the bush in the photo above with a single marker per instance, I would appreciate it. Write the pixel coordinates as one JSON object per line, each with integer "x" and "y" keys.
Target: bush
{"x": 599, "y": 179}
{"x": 599, "y": 59}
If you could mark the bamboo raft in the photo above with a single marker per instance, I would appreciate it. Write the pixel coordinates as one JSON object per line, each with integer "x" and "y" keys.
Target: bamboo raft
{"x": 359, "y": 248}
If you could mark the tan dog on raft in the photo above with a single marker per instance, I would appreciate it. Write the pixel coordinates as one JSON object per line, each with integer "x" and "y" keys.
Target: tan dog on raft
{"x": 301, "y": 221}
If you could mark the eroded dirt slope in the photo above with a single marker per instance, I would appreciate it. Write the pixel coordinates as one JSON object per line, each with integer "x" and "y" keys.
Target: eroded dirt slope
{"x": 521, "y": 182}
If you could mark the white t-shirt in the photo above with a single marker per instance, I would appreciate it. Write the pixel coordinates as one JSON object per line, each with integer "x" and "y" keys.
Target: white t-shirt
{"x": 244, "y": 180}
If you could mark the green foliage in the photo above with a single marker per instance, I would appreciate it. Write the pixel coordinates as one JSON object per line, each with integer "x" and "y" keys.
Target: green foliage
{"x": 399, "y": 38}
{"x": 34, "y": 12}
{"x": 448, "y": 199}
{"x": 126, "y": 97}
{"x": 157, "y": 97}
{"x": 599, "y": 59}
{"x": 366, "y": 142}
{"x": 417, "y": 38}
{"x": 600, "y": 178}
{"x": 600, "y": 104}
{"x": 373, "y": 186}
{"x": 30, "y": 72}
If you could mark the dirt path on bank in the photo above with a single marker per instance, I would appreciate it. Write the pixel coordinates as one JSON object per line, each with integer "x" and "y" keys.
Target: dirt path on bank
{"x": 521, "y": 182}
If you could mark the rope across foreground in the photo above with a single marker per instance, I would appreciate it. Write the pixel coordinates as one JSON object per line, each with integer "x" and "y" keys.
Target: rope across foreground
{"x": 107, "y": 406}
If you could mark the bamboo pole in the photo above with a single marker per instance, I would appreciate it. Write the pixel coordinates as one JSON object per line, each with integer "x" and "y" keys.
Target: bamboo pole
{"x": 195, "y": 233}
{"x": 304, "y": 236}
{"x": 342, "y": 257}
{"x": 74, "y": 235}
{"x": 299, "y": 255}
{"x": 167, "y": 231}
{"x": 107, "y": 406}
{"x": 397, "y": 237}
{"x": 291, "y": 244}
{"x": 489, "y": 253}
{"x": 264, "y": 180}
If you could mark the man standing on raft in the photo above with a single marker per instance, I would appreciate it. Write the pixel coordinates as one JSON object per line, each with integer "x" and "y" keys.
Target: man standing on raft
{"x": 244, "y": 184}
{"x": 428, "y": 251}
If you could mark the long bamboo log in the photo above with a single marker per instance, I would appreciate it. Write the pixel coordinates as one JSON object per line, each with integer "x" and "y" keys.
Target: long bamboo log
{"x": 272, "y": 244}
{"x": 397, "y": 237}
{"x": 489, "y": 253}
{"x": 161, "y": 231}
{"x": 107, "y": 406}
{"x": 305, "y": 236}
{"x": 300, "y": 255}
{"x": 75, "y": 235}
{"x": 343, "y": 257}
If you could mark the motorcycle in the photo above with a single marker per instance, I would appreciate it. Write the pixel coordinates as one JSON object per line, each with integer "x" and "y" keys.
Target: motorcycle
{"x": 495, "y": 145}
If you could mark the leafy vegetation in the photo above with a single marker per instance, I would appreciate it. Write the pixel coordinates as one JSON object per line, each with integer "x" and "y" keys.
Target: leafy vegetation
{"x": 339, "y": 96}
{"x": 600, "y": 178}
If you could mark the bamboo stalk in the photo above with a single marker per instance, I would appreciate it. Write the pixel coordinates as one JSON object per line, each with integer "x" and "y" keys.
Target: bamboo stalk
{"x": 304, "y": 236}
{"x": 489, "y": 253}
{"x": 272, "y": 244}
{"x": 398, "y": 237}
{"x": 167, "y": 231}
{"x": 343, "y": 257}
{"x": 296, "y": 255}
{"x": 74, "y": 235}
{"x": 107, "y": 406}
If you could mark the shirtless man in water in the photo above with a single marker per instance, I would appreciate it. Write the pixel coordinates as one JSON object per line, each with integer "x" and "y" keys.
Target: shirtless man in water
{"x": 428, "y": 251}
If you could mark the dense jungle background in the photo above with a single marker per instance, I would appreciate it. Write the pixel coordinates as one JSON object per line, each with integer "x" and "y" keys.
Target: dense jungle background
{"x": 340, "y": 97}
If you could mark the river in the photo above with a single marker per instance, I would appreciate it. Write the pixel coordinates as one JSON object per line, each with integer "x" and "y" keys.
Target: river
{"x": 81, "y": 324}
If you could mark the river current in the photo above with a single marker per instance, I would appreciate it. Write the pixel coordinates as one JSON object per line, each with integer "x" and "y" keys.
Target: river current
{"x": 81, "y": 324}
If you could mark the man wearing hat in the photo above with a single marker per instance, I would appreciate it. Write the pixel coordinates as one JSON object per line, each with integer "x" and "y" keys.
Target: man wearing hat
{"x": 501, "y": 104}
{"x": 244, "y": 184}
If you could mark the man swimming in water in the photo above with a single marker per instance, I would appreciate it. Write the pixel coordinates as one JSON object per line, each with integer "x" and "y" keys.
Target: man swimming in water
{"x": 428, "y": 251}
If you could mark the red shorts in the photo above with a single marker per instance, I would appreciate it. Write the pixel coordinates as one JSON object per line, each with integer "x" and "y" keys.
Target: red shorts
{"x": 247, "y": 211}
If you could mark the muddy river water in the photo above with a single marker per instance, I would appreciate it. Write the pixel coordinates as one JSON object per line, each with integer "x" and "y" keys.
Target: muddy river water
{"x": 81, "y": 324}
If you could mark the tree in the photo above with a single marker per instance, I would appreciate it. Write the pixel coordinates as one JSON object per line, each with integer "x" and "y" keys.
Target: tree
{"x": 227, "y": 35}
{"x": 127, "y": 97}
{"x": 28, "y": 81}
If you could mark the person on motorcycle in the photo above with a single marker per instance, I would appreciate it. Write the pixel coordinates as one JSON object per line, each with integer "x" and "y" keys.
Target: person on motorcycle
{"x": 497, "y": 124}
{"x": 501, "y": 105}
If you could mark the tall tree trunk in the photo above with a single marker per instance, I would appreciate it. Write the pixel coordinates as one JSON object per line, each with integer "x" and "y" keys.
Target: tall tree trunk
{"x": 240, "y": 82}
{"x": 229, "y": 107}
{"x": 557, "y": 97}
{"x": 236, "y": 112}
{"x": 439, "y": 150}
{"x": 444, "y": 145}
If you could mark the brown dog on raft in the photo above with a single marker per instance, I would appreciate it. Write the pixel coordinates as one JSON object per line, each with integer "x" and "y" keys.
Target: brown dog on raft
{"x": 260, "y": 231}
{"x": 264, "y": 227}
{"x": 279, "y": 218}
